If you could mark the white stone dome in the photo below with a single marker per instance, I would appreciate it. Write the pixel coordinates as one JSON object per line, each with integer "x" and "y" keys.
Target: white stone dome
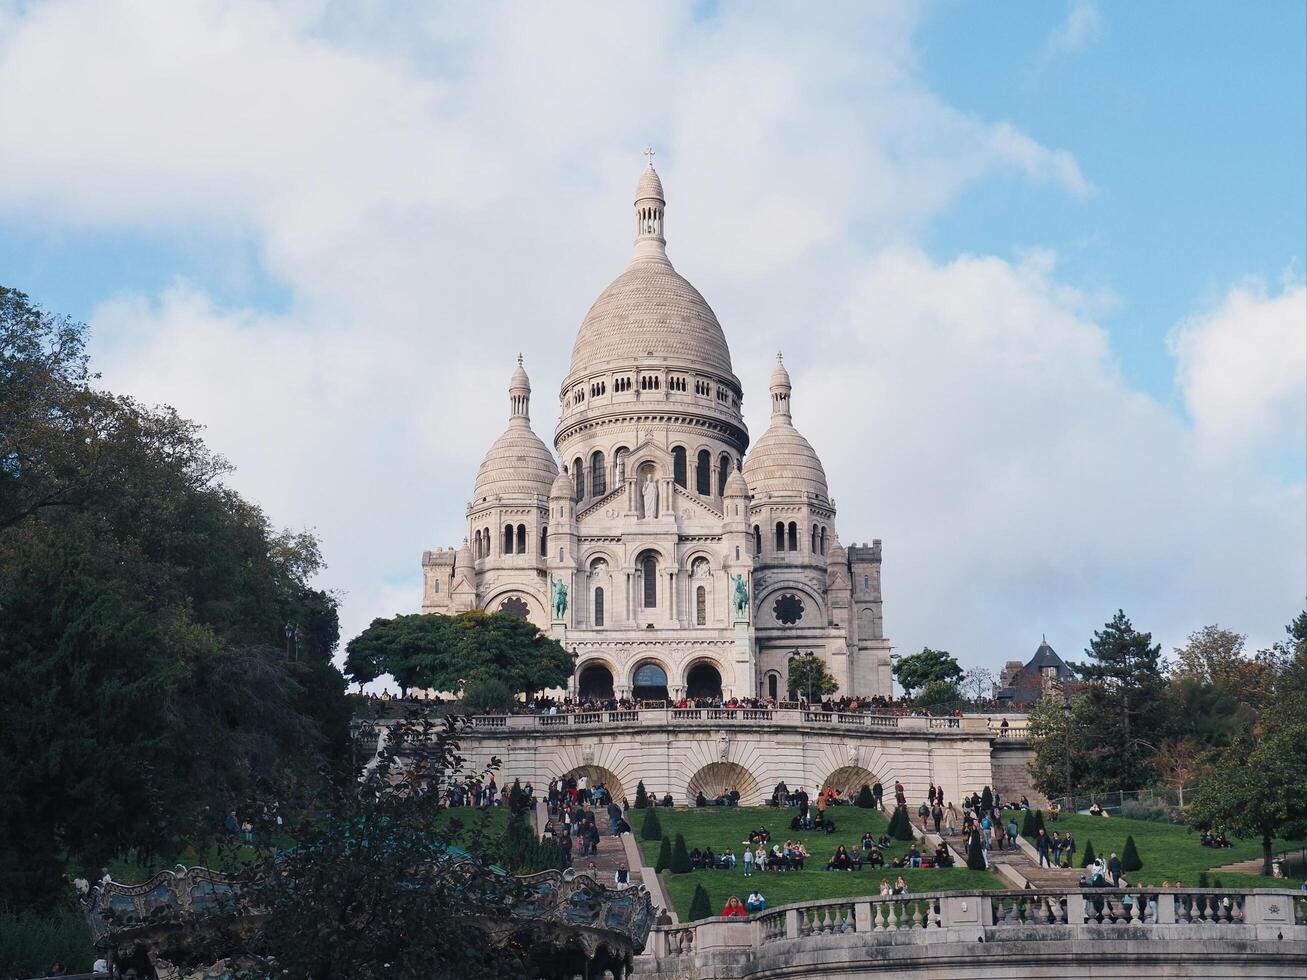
{"x": 650, "y": 310}
{"x": 782, "y": 462}
{"x": 518, "y": 462}
{"x": 650, "y": 187}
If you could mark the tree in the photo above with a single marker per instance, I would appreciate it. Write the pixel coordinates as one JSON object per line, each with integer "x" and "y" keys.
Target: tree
{"x": 1130, "y": 855}
{"x": 1179, "y": 762}
{"x": 700, "y": 904}
{"x": 979, "y": 684}
{"x": 680, "y": 863}
{"x": 1256, "y": 790}
{"x": 1124, "y": 692}
{"x": 920, "y": 669}
{"x": 900, "y": 825}
{"x": 443, "y": 652}
{"x": 809, "y": 679}
{"x": 1039, "y": 822}
{"x": 1089, "y": 857}
{"x": 652, "y": 829}
{"x": 1213, "y": 655}
{"x": 1028, "y": 828}
{"x": 939, "y": 695}
{"x": 641, "y": 796}
{"x": 486, "y": 693}
{"x": 664, "y": 862}
{"x": 975, "y": 854}
{"x": 866, "y": 800}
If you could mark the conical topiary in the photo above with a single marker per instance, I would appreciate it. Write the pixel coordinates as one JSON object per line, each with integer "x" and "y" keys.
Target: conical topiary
{"x": 1039, "y": 822}
{"x": 700, "y": 906}
{"x": 641, "y": 796}
{"x": 652, "y": 828}
{"x": 1028, "y": 828}
{"x": 900, "y": 825}
{"x": 1090, "y": 857}
{"x": 516, "y": 798}
{"x": 664, "y": 856}
{"x": 680, "y": 857}
{"x": 986, "y": 801}
{"x": 865, "y": 800}
{"x": 1130, "y": 856}
{"x": 975, "y": 856}
{"x": 1203, "y": 880}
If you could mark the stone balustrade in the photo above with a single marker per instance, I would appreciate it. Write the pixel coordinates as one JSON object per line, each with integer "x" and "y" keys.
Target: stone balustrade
{"x": 753, "y": 717}
{"x": 809, "y": 938}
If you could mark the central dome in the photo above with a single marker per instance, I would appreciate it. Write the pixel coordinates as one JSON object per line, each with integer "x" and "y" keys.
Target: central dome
{"x": 650, "y": 310}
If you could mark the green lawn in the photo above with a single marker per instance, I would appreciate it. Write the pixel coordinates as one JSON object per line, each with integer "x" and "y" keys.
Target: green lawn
{"x": 1168, "y": 851}
{"x": 722, "y": 827}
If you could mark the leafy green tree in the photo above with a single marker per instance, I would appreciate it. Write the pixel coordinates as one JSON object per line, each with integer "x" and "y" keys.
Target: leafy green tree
{"x": 443, "y": 652}
{"x": 700, "y": 904}
{"x": 641, "y": 796}
{"x": 809, "y": 679}
{"x": 664, "y": 862}
{"x": 1256, "y": 790}
{"x": 1123, "y": 688}
{"x": 1130, "y": 855}
{"x": 680, "y": 857}
{"x": 915, "y": 672}
{"x": 485, "y": 693}
{"x": 652, "y": 829}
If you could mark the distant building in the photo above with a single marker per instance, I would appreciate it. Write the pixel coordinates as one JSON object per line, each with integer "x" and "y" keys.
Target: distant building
{"x": 1026, "y": 685}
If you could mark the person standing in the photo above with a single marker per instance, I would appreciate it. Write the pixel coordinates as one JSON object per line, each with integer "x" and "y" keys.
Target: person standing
{"x": 748, "y": 862}
{"x": 1041, "y": 847}
{"x": 1013, "y": 830}
{"x": 1114, "y": 869}
{"x": 937, "y": 814}
{"x": 1068, "y": 848}
{"x": 614, "y": 816}
{"x": 878, "y": 794}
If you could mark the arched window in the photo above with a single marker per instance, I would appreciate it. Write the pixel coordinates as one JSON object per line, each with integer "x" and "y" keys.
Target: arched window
{"x": 598, "y": 481}
{"x": 678, "y": 466}
{"x": 701, "y": 606}
{"x": 703, "y": 474}
{"x": 780, "y": 536}
{"x": 773, "y": 685}
{"x": 823, "y": 541}
{"x": 649, "y": 571}
{"x": 521, "y": 539}
{"x": 757, "y": 541}
{"x": 794, "y": 536}
{"x": 544, "y": 542}
{"x": 723, "y": 471}
{"x": 477, "y": 546}
{"x": 599, "y": 607}
{"x": 508, "y": 539}
{"x": 812, "y": 544}
{"x": 485, "y": 542}
{"x": 578, "y": 475}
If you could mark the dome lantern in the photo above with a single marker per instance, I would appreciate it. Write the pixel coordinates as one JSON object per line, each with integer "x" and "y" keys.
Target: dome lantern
{"x": 519, "y": 393}
{"x": 780, "y": 388}
{"x": 649, "y": 207}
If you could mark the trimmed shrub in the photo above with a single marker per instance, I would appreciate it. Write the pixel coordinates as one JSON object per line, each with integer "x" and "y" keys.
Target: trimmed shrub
{"x": 652, "y": 828}
{"x": 680, "y": 857}
{"x": 986, "y": 801}
{"x": 641, "y": 796}
{"x": 1039, "y": 822}
{"x": 900, "y": 825}
{"x": 664, "y": 856}
{"x": 975, "y": 856}
{"x": 1090, "y": 857}
{"x": 700, "y": 906}
{"x": 516, "y": 798}
{"x": 865, "y": 800}
{"x": 1130, "y": 856}
{"x": 1203, "y": 881}
{"x": 1028, "y": 828}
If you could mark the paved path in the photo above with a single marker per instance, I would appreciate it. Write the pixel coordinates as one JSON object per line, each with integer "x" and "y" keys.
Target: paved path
{"x": 1253, "y": 866}
{"x": 611, "y": 851}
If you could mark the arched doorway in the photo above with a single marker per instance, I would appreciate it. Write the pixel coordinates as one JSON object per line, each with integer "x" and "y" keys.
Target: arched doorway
{"x": 773, "y": 685}
{"x": 649, "y": 683}
{"x": 703, "y": 680}
{"x": 849, "y": 779}
{"x": 717, "y": 778}
{"x": 594, "y": 681}
{"x": 599, "y": 776}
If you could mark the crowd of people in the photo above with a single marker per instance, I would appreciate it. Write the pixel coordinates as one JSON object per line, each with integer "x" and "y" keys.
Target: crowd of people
{"x": 578, "y": 811}
{"x": 902, "y": 707}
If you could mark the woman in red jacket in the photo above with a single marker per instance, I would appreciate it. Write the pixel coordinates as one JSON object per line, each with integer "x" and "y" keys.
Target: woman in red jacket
{"x": 734, "y": 908}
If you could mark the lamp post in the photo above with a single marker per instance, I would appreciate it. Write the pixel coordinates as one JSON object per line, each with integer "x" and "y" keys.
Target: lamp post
{"x": 291, "y": 631}
{"x": 1066, "y": 733}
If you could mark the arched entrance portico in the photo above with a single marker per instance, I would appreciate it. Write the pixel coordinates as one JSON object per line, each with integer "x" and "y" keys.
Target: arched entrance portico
{"x": 703, "y": 680}
{"x": 594, "y": 680}
{"x": 599, "y": 776}
{"x": 718, "y": 778}
{"x": 849, "y": 780}
{"x": 649, "y": 682}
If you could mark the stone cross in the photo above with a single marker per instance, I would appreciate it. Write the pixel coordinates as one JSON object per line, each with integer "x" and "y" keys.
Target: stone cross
{"x": 649, "y": 154}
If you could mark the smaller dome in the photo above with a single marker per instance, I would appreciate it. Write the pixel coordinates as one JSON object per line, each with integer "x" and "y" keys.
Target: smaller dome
{"x": 780, "y": 378}
{"x": 517, "y": 463}
{"x": 519, "y": 381}
{"x": 650, "y": 186}
{"x": 562, "y": 487}
{"x": 463, "y": 557}
{"x": 784, "y": 463}
{"x": 736, "y": 485}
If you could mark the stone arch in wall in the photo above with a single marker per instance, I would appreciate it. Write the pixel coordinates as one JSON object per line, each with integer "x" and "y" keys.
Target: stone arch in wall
{"x": 703, "y": 678}
{"x": 811, "y": 613}
{"x": 595, "y": 679}
{"x": 594, "y": 776}
{"x": 717, "y": 778}
{"x": 849, "y": 779}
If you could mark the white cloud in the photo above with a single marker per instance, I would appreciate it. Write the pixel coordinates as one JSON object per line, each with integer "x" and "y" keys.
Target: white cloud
{"x": 1242, "y": 368}
{"x": 1082, "y": 26}
{"x": 437, "y": 191}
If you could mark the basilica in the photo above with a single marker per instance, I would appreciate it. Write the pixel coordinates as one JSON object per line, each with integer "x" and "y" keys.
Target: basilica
{"x": 667, "y": 554}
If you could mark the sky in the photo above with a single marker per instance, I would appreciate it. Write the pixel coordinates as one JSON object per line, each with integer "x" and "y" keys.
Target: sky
{"x": 1037, "y": 269}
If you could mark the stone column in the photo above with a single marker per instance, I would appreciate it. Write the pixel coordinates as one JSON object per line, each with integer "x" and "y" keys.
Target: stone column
{"x": 671, "y": 595}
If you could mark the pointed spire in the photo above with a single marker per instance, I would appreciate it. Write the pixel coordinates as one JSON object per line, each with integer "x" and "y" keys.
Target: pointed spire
{"x": 780, "y": 389}
{"x": 519, "y": 393}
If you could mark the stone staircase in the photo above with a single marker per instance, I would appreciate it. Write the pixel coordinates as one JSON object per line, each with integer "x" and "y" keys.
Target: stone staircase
{"x": 612, "y": 852}
{"x": 1023, "y": 860}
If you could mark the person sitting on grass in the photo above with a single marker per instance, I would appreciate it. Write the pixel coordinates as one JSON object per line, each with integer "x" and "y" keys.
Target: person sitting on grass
{"x": 942, "y": 857}
{"x": 798, "y": 854}
{"x": 884, "y": 888}
{"x": 755, "y": 902}
{"x": 876, "y": 858}
{"x": 727, "y": 860}
{"x": 667, "y": 800}
{"x": 1097, "y": 811}
{"x": 709, "y": 859}
{"x": 696, "y": 859}
{"x": 914, "y": 857}
{"x": 839, "y": 861}
{"x": 760, "y": 859}
{"x": 884, "y": 843}
{"x": 734, "y": 908}
{"x": 900, "y": 886}
{"x": 868, "y": 842}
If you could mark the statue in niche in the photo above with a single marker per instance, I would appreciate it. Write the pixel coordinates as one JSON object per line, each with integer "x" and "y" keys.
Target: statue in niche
{"x": 560, "y": 597}
{"x": 621, "y": 467}
{"x": 649, "y": 494}
{"x": 741, "y": 596}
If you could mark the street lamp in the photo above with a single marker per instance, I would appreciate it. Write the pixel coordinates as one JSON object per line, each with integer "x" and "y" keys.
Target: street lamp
{"x": 292, "y": 633}
{"x": 1066, "y": 732}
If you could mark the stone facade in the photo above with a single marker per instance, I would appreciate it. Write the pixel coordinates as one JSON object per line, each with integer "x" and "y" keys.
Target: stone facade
{"x": 659, "y": 507}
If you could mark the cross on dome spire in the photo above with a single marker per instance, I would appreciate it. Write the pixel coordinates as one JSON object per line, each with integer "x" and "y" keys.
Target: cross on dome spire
{"x": 649, "y": 155}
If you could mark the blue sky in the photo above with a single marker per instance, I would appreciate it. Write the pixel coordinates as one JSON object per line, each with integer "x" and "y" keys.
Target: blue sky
{"x": 1037, "y": 267}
